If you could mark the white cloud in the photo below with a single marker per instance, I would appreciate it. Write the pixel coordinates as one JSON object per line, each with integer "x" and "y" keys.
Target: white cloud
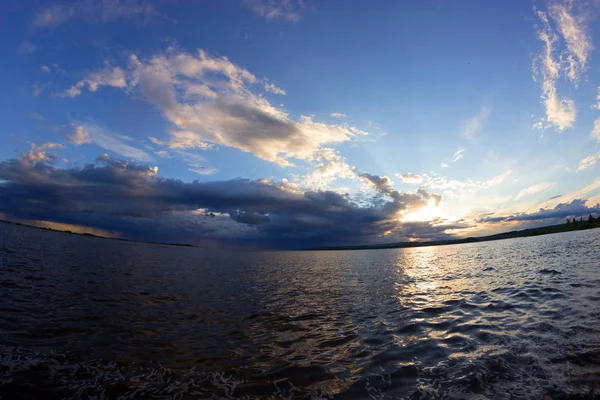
{"x": 596, "y": 130}
{"x": 36, "y": 116}
{"x": 38, "y": 153}
{"x": 450, "y": 186}
{"x": 114, "y": 77}
{"x": 440, "y": 182}
{"x": 79, "y": 136}
{"x": 196, "y": 163}
{"x": 474, "y": 124}
{"x": 589, "y": 162}
{"x": 551, "y": 63}
{"x": 270, "y": 87}
{"x": 97, "y": 11}
{"x": 560, "y": 112}
{"x": 443, "y": 165}
{"x": 235, "y": 117}
{"x": 597, "y": 105}
{"x": 86, "y": 133}
{"x": 578, "y": 42}
{"x": 533, "y": 189}
{"x": 338, "y": 115}
{"x": 329, "y": 167}
{"x": 26, "y": 47}
{"x": 410, "y": 178}
{"x": 458, "y": 155}
{"x": 37, "y": 89}
{"x": 45, "y": 68}
{"x": 275, "y": 9}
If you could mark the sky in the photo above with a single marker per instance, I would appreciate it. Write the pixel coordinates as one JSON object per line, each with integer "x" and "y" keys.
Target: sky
{"x": 298, "y": 123}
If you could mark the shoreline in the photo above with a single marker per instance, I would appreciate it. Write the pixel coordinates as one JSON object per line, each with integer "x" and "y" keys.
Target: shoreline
{"x": 544, "y": 230}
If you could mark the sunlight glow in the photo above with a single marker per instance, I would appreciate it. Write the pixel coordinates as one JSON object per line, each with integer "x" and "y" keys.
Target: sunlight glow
{"x": 427, "y": 213}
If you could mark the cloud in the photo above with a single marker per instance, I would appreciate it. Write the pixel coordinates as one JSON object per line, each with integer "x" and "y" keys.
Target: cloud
{"x": 232, "y": 115}
{"x": 38, "y": 89}
{"x": 338, "y": 115}
{"x": 589, "y": 162}
{"x": 596, "y": 130}
{"x": 39, "y": 153}
{"x": 441, "y": 182}
{"x": 400, "y": 201}
{"x": 134, "y": 201}
{"x": 36, "y": 116}
{"x": 79, "y": 136}
{"x": 26, "y": 48}
{"x": 329, "y": 166}
{"x": 45, "y": 68}
{"x": 98, "y": 11}
{"x": 560, "y": 112}
{"x": 443, "y": 165}
{"x": 597, "y": 105}
{"x": 410, "y": 178}
{"x": 114, "y": 77}
{"x": 458, "y": 154}
{"x": 578, "y": 41}
{"x": 88, "y": 133}
{"x": 196, "y": 163}
{"x": 575, "y": 208}
{"x": 275, "y": 9}
{"x": 571, "y": 62}
{"x": 270, "y": 87}
{"x": 533, "y": 189}
{"x": 474, "y": 124}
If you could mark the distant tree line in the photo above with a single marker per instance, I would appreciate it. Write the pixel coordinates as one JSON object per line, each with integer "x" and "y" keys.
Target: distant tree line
{"x": 580, "y": 223}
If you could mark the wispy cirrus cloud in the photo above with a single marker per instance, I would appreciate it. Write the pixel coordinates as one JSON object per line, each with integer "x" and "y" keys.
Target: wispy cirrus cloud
{"x": 338, "y": 115}
{"x": 196, "y": 163}
{"x": 473, "y": 125}
{"x": 589, "y": 162}
{"x": 272, "y": 88}
{"x": 569, "y": 20}
{"x": 226, "y": 112}
{"x": 88, "y": 133}
{"x": 451, "y": 186}
{"x": 288, "y": 10}
{"x": 458, "y": 154}
{"x": 596, "y": 130}
{"x": 534, "y": 189}
{"x": 26, "y": 47}
{"x": 53, "y": 14}
{"x": 38, "y": 88}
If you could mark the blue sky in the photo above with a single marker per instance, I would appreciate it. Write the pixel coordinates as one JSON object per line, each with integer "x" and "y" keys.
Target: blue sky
{"x": 396, "y": 120}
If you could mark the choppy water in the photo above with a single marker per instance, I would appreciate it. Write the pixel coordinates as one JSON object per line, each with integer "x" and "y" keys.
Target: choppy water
{"x": 89, "y": 318}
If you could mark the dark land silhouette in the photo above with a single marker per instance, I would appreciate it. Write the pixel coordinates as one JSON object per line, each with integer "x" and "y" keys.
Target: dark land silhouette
{"x": 571, "y": 225}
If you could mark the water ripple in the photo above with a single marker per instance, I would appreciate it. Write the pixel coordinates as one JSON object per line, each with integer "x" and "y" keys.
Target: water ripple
{"x": 514, "y": 319}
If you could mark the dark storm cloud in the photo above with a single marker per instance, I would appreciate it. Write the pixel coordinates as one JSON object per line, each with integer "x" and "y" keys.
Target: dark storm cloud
{"x": 575, "y": 208}
{"x": 133, "y": 200}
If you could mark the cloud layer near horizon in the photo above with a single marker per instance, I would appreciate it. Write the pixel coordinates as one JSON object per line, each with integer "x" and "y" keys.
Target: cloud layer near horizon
{"x": 131, "y": 199}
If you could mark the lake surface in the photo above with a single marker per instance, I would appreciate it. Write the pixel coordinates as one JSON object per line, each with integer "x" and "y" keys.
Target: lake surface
{"x": 513, "y": 319}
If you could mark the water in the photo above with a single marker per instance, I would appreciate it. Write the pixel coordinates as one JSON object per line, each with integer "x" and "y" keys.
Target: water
{"x": 89, "y": 318}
